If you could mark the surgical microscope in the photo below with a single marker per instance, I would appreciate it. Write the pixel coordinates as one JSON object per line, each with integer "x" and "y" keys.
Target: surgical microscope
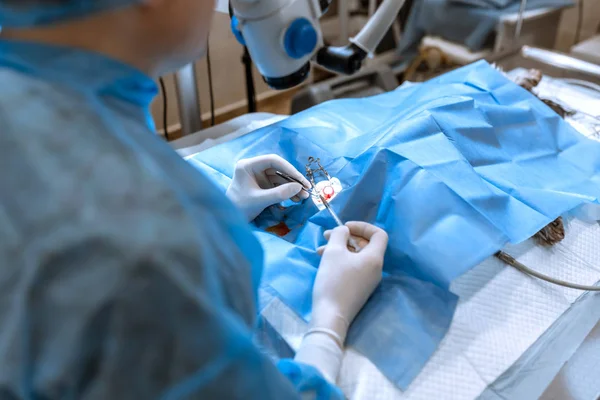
{"x": 284, "y": 36}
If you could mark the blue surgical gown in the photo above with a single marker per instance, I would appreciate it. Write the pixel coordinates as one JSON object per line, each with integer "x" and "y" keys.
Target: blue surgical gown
{"x": 124, "y": 272}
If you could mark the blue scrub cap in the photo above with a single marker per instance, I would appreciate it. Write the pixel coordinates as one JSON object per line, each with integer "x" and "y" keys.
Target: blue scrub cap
{"x": 27, "y": 13}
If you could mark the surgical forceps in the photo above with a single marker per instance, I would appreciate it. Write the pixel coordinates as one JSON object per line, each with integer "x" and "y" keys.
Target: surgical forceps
{"x": 312, "y": 191}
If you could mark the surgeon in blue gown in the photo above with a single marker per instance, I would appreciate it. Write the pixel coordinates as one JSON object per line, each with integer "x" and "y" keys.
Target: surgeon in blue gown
{"x": 124, "y": 273}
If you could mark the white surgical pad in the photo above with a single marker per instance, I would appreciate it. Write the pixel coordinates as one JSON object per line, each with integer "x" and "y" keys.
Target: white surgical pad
{"x": 501, "y": 313}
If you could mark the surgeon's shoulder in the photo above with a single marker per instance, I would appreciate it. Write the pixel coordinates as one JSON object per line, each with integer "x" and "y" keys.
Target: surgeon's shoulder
{"x": 33, "y": 106}
{"x": 75, "y": 185}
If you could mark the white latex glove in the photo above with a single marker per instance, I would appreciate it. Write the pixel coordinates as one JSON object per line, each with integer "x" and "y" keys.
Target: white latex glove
{"x": 255, "y": 186}
{"x": 345, "y": 281}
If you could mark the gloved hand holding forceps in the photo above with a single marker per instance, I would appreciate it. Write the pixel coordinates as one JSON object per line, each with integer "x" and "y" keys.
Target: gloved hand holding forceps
{"x": 345, "y": 279}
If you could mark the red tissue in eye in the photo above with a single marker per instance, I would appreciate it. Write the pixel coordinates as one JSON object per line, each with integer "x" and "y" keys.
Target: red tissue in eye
{"x": 328, "y": 192}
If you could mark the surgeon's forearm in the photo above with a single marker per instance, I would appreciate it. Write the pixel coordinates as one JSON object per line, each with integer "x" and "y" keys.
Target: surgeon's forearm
{"x": 323, "y": 352}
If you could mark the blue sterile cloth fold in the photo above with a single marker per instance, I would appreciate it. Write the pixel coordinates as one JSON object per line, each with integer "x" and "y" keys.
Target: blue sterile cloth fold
{"x": 452, "y": 169}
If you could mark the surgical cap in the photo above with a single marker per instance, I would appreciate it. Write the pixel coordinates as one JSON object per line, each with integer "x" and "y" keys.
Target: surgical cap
{"x": 27, "y": 13}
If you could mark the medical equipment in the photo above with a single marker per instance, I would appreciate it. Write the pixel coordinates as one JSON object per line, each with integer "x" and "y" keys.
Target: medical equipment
{"x": 310, "y": 172}
{"x": 510, "y": 334}
{"x": 292, "y": 179}
{"x": 325, "y": 185}
{"x": 256, "y": 186}
{"x": 451, "y": 168}
{"x": 339, "y": 222}
{"x": 513, "y": 262}
{"x": 283, "y": 37}
{"x": 368, "y": 82}
{"x": 313, "y": 192}
{"x": 478, "y": 24}
{"x": 470, "y": 360}
{"x": 509, "y": 329}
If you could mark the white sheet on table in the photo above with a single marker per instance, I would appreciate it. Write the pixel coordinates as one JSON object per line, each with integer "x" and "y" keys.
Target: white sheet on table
{"x": 578, "y": 379}
{"x": 191, "y": 151}
{"x": 575, "y": 97}
{"x": 501, "y": 313}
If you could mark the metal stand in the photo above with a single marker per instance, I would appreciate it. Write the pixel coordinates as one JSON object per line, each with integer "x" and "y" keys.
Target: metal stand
{"x": 368, "y": 82}
{"x": 344, "y": 20}
{"x": 188, "y": 98}
{"x": 520, "y": 20}
{"x": 250, "y": 90}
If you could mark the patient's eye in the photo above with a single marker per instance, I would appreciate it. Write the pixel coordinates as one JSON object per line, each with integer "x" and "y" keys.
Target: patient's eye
{"x": 329, "y": 189}
{"x": 323, "y": 183}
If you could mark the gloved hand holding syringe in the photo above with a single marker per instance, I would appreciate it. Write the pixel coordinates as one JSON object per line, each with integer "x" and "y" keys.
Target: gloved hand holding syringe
{"x": 313, "y": 192}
